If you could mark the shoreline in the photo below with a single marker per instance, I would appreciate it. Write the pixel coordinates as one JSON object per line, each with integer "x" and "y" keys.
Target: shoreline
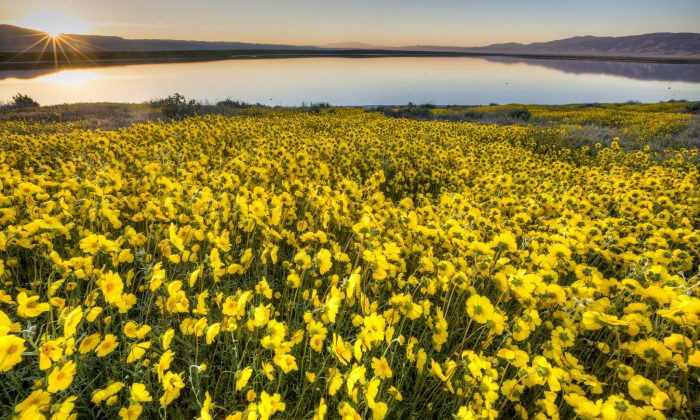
{"x": 37, "y": 61}
{"x": 112, "y": 115}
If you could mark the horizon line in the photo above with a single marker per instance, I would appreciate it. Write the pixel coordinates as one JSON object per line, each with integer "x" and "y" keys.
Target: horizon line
{"x": 340, "y": 43}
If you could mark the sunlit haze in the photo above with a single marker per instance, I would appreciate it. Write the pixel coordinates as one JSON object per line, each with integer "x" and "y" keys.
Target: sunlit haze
{"x": 385, "y": 23}
{"x": 54, "y": 22}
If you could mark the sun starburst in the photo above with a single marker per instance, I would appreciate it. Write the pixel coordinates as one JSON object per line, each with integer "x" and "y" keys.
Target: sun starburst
{"x": 53, "y": 39}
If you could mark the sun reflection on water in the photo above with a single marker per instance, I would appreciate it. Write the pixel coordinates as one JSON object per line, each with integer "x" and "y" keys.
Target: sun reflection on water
{"x": 70, "y": 77}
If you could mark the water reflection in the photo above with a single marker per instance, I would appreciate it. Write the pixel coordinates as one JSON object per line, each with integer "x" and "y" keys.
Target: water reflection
{"x": 642, "y": 71}
{"x": 362, "y": 81}
{"x": 25, "y": 74}
{"x": 71, "y": 77}
{"x": 671, "y": 72}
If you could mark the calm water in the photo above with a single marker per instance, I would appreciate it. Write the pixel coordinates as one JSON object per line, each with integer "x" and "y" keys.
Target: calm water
{"x": 365, "y": 81}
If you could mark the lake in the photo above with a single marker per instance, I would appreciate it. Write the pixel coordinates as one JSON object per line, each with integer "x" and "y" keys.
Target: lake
{"x": 365, "y": 81}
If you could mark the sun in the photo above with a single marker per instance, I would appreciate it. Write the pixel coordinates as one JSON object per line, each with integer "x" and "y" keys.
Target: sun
{"x": 54, "y": 23}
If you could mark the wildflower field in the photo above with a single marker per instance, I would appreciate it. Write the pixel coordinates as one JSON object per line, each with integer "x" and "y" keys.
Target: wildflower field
{"x": 343, "y": 264}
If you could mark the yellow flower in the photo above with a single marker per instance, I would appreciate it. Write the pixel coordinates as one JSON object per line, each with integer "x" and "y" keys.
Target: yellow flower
{"x": 421, "y": 358}
{"x": 286, "y": 362}
{"x": 341, "y": 349}
{"x": 373, "y": 328}
{"x": 437, "y": 370}
{"x": 321, "y": 410}
{"x": 591, "y": 320}
{"x": 90, "y": 244}
{"x": 172, "y": 384}
{"x": 205, "y": 412}
{"x": 60, "y": 379}
{"x": 642, "y": 389}
{"x": 36, "y": 402}
{"x": 316, "y": 342}
{"x": 547, "y": 373}
{"x": 93, "y": 314}
{"x": 479, "y": 308}
{"x": 381, "y": 367}
{"x": 332, "y": 305}
{"x": 587, "y": 409}
{"x": 357, "y": 374}
{"x": 335, "y": 381}
{"x": 212, "y": 332}
{"x": 64, "y": 410}
{"x": 108, "y": 344}
{"x": 164, "y": 363}
{"x": 131, "y": 330}
{"x": 139, "y": 393}
{"x": 678, "y": 343}
{"x": 323, "y": 259}
{"x": 89, "y": 343}
{"x": 11, "y": 349}
{"x": 440, "y": 333}
{"x": 29, "y": 307}
{"x": 167, "y": 338}
{"x": 175, "y": 238}
{"x": 661, "y": 401}
{"x": 302, "y": 260}
{"x": 71, "y": 322}
{"x": 504, "y": 241}
{"x": 396, "y": 394}
{"x": 112, "y": 287}
{"x": 157, "y": 277}
{"x": 263, "y": 288}
{"x": 269, "y": 405}
{"x": 652, "y": 351}
{"x": 694, "y": 359}
{"x": 132, "y": 412}
{"x": 243, "y": 377}
{"x": 625, "y": 372}
{"x": 251, "y": 396}
{"x": 101, "y": 395}
{"x": 50, "y": 351}
{"x": 137, "y": 351}
{"x": 310, "y": 376}
{"x": 563, "y": 338}
{"x": 379, "y": 410}
{"x": 464, "y": 413}
{"x": 6, "y": 323}
{"x": 611, "y": 320}
{"x": 192, "y": 278}
{"x": 371, "y": 392}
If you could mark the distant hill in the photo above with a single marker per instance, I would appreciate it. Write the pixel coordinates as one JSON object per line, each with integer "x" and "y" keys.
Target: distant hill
{"x": 350, "y": 45}
{"x": 16, "y": 39}
{"x": 662, "y": 44}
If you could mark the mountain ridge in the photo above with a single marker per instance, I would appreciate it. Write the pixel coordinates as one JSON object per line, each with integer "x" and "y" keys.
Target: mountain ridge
{"x": 16, "y": 39}
{"x": 659, "y": 44}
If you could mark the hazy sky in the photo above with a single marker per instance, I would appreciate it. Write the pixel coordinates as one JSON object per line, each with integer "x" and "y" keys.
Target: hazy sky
{"x": 379, "y": 22}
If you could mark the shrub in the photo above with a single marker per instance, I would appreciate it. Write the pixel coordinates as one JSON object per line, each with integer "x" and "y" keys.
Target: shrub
{"x": 314, "y": 108}
{"x": 23, "y": 101}
{"x": 411, "y": 111}
{"x": 473, "y": 115}
{"x": 176, "y": 107}
{"x": 693, "y": 107}
{"x": 230, "y": 103}
{"x": 520, "y": 114}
